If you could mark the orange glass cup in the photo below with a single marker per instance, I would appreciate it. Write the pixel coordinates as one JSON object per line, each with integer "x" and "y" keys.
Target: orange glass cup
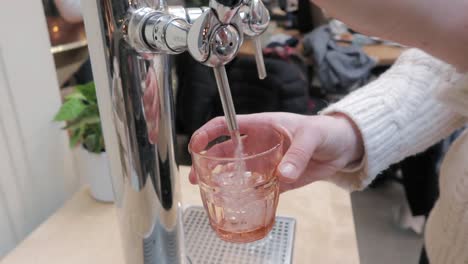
{"x": 239, "y": 187}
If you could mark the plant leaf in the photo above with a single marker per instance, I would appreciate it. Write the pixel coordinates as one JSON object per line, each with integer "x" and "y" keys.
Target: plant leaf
{"x": 91, "y": 142}
{"x": 75, "y": 95}
{"x": 70, "y": 110}
{"x": 83, "y": 121}
{"x": 88, "y": 91}
{"x": 90, "y": 111}
{"x": 76, "y": 135}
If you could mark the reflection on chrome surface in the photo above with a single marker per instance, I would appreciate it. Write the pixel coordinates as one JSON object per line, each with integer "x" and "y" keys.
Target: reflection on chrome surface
{"x": 140, "y": 122}
{"x": 130, "y": 43}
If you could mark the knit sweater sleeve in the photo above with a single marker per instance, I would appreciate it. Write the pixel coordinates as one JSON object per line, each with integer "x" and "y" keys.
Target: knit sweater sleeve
{"x": 398, "y": 115}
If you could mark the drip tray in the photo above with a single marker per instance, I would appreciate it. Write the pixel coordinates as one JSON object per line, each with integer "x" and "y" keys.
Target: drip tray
{"x": 204, "y": 247}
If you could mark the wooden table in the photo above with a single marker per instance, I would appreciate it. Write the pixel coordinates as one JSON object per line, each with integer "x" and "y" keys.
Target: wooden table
{"x": 85, "y": 231}
{"x": 385, "y": 55}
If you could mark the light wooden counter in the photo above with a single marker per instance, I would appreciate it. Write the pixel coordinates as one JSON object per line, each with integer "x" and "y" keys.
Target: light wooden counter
{"x": 85, "y": 231}
{"x": 385, "y": 55}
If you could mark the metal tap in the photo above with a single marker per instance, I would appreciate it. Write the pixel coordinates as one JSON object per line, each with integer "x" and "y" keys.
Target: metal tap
{"x": 212, "y": 35}
{"x": 213, "y": 38}
{"x": 255, "y": 18}
{"x": 130, "y": 43}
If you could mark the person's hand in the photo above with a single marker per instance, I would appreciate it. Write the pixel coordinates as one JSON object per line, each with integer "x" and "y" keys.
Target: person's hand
{"x": 316, "y": 146}
{"x": 439, "y": 27}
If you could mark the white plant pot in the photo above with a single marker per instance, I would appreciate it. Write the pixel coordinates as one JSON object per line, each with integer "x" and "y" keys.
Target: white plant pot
{"x": 94, "y": 171}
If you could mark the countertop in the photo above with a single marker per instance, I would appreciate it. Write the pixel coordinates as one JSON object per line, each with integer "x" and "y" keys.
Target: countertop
{"x": 385, "y": 55}
{"x": 86, "y": 231}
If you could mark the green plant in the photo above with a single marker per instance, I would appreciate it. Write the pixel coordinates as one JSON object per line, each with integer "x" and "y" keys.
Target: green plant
{"x": 80, "y": 111}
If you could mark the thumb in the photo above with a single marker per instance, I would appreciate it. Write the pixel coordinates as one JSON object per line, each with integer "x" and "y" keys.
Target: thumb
{"x": 193, "y": 176}
{"x": 298, "y": 155}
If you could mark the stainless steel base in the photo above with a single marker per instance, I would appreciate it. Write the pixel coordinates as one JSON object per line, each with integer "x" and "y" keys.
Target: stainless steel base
{"x": 204, "y": 247}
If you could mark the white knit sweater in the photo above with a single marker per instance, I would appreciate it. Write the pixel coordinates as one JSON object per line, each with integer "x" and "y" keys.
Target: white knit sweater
{"x": 419, "y": 101}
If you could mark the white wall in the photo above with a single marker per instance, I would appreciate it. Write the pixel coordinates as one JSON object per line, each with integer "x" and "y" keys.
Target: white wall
{"x": 36, "y": 170}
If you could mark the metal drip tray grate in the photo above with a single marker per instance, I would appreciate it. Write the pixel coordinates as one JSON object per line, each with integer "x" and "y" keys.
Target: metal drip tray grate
{"x": 204, "y": 247}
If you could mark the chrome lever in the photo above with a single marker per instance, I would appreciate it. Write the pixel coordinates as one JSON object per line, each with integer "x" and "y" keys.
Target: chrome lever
{"x": 215, "y": 43}
{"x": 226, "y": 97}
{"x": 224, "y": 47}
{"x": 255, "y": 19}
{"x": 262, "y": 74}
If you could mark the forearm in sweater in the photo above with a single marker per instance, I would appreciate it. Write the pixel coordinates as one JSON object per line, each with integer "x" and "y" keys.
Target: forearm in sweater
{"x": 398, "y": 115}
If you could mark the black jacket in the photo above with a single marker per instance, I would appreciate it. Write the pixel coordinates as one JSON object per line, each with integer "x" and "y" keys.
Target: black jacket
{"x": 285, "y": 89}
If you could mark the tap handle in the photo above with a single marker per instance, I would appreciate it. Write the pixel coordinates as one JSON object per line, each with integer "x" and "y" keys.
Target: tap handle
{"x": 215, "y": 50}
{"x": 213, "y": 41}
{"x": 225, "y": 43}
{"x": 255, "y": 19}
{"x": 262, "y": 74}
{"x": 226, "y": 97}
